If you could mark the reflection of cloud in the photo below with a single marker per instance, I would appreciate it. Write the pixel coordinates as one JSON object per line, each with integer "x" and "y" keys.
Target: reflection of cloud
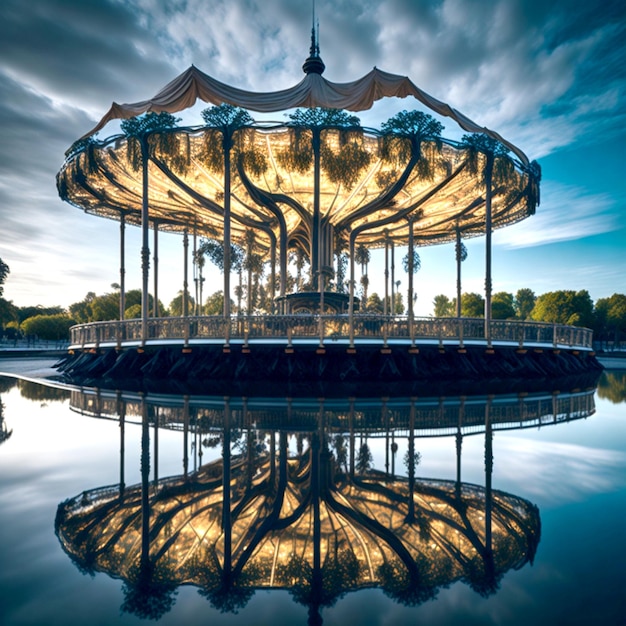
{"x": 567, "y": 213}
{"x": 559, "y": 472}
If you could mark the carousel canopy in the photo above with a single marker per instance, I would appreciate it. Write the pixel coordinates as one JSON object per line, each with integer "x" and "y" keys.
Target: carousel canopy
{"x": 312, "y": 91}
{"x": 315, "y": 183}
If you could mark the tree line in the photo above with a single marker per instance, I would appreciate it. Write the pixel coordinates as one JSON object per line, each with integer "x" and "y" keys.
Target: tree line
{"x": 606, "y": 317}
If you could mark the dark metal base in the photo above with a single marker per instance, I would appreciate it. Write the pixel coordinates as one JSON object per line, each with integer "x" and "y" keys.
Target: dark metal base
{"x": 336, "y": 371}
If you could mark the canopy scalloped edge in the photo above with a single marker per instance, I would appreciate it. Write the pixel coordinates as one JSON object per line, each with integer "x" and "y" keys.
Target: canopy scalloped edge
{"x": 312, "y": 91}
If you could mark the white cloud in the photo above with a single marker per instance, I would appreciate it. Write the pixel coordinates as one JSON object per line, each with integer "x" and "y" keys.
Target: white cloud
{"x": 566, "y": 213}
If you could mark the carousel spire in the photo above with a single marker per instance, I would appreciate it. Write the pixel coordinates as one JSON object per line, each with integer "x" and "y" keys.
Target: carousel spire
{"x": 314, "y": 64}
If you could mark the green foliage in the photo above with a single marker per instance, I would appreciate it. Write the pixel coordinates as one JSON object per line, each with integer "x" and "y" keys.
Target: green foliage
{"x": 4, "y": 272}
{"x": 417, "y": 262}
{"x": 443, "y": 306}
{"x": 24, "y": 312}
{"x": 502, "y": 306}
{"x": 299, "y": 156}
{"x": 472, "y": 305}
{"x": 344, "y": 165}
{"x": 364, "y": 459}
{"x": 49, "y": 327}
{"x": 214, "y": 304}
{"x": 136, "y": 128}
{"x": 374, "y": 304}
{"x": 479, "y": 145}
{"x": 413, "y": 124}
{"x": 132, "y": 312}
{"x": 398, "y": 308}
{"x": 362, "y": 256}
{"x": 176, "y": 305}
{"x": 524, "y": 302}
{"x": 42, "y": 393}
{"x": 104, "y": 308}
{"x": 224, "y": 131}
{"x": 147, "y": 123}
{"x": 612, "y": 387}
{"x": 574, "y": 308}
{"x": 8, "y": 312}
{"x": 214, "y": 249}
{"x": 408, "y": 133}
{"x": 460, "y": 251}
{"x": 610, "y": 316}
{"x": 226, "y": 117}
{"x": 319, "y": 117}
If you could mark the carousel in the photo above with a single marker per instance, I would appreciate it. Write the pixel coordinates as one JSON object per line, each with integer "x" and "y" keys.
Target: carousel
{"x": 316, "y": 192}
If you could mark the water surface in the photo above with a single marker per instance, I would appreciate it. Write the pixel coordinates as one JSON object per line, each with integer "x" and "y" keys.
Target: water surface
{"x": 79, "y": 471}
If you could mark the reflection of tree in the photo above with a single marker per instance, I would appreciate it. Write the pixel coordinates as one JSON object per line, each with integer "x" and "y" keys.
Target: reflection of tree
{"x": 612, "y": 386}
{"x": 149, "y": 592}
{"x": 5, "y": 433}
{"x": 6, "y": 384}
{"x": 39, "y": 392}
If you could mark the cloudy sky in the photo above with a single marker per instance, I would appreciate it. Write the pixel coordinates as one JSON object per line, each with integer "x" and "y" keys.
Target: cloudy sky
{"x": 549, "y": 76}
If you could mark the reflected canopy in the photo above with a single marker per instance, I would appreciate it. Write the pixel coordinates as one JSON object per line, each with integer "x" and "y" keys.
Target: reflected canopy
{"x": 300, "y": 508}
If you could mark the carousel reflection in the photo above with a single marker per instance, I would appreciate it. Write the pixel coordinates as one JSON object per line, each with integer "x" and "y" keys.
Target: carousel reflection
{"x": 293, "y": 503}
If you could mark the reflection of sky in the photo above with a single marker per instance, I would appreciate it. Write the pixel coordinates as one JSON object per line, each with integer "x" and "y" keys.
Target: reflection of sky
{"x": 574, "y": 472}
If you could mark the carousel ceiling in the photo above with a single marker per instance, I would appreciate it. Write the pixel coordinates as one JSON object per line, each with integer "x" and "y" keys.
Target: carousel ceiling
{"x": 363, "y": 185}
{"x": 367, "y": 182}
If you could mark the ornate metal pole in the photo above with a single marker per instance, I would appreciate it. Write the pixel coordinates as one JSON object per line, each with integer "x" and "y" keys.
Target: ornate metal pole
{"x": 122, "y": 265}
{"x": 488, "y": 282}
{"x": 155, "y": 302}
{"x": 351, "y": 301}
{"x": 393, "y": 276}
{"x": 145, "y": 248}
{"x": 386, "y": 300}
{"x": 185, "y": 272}
{"x": 458, "y": 251}
{"x": 227, "y": 143}
{"x": 195, "y": 269}
{"x": 411, "y": 270}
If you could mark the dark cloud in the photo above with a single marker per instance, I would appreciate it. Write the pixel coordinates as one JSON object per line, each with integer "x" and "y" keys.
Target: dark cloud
{"x": 544, "y": 74}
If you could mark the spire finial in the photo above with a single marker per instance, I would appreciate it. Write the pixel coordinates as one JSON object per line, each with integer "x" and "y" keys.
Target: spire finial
{"x": 314, "y": 64}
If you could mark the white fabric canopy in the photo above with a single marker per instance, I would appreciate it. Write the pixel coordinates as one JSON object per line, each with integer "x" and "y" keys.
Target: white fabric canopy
{"x": 313, "y": 91}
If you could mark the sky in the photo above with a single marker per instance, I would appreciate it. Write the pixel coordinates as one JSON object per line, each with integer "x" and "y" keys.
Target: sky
{"x": 548, "y": 76}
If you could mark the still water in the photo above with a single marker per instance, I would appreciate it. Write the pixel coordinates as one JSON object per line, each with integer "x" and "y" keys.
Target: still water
{"x": 121, "y": 509}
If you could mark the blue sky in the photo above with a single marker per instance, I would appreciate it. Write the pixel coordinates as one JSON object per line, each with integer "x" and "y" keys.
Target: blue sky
{"x": 549, "y": 76}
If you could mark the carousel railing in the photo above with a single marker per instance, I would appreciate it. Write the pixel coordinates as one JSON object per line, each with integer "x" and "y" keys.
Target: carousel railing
{"x": 329, "y": 328}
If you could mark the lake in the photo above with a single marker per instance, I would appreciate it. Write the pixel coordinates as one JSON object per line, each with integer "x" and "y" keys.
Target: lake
{"x": 121, "y": 509}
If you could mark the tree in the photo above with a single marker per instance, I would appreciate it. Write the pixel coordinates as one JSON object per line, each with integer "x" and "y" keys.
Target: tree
{"x": 24, "y": 312}
{"x": 133, "y": 312}
{"x": 4, "y": 272}
{"x": 398, "y": 305}
{"x": 214, "y": 304}
{"x": 502, "y": 306}
{"x": 610, "y": 317}
{"x": 472, "y": 305}
{"x": 362, "y": 257}
{"x": 106, "y": 307}
{"x": 51, "y": 327}
{"x": 443, "y": 306}
{"x": 524, "y": 302}
{"x": 574, "y": 308}
{"x": 8, "y": 312}
{"x": 176, "y": 305}
{"x": 374, "y": 304}
{"x": 364, "y": 459}
{"x": 81, "y": 311}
